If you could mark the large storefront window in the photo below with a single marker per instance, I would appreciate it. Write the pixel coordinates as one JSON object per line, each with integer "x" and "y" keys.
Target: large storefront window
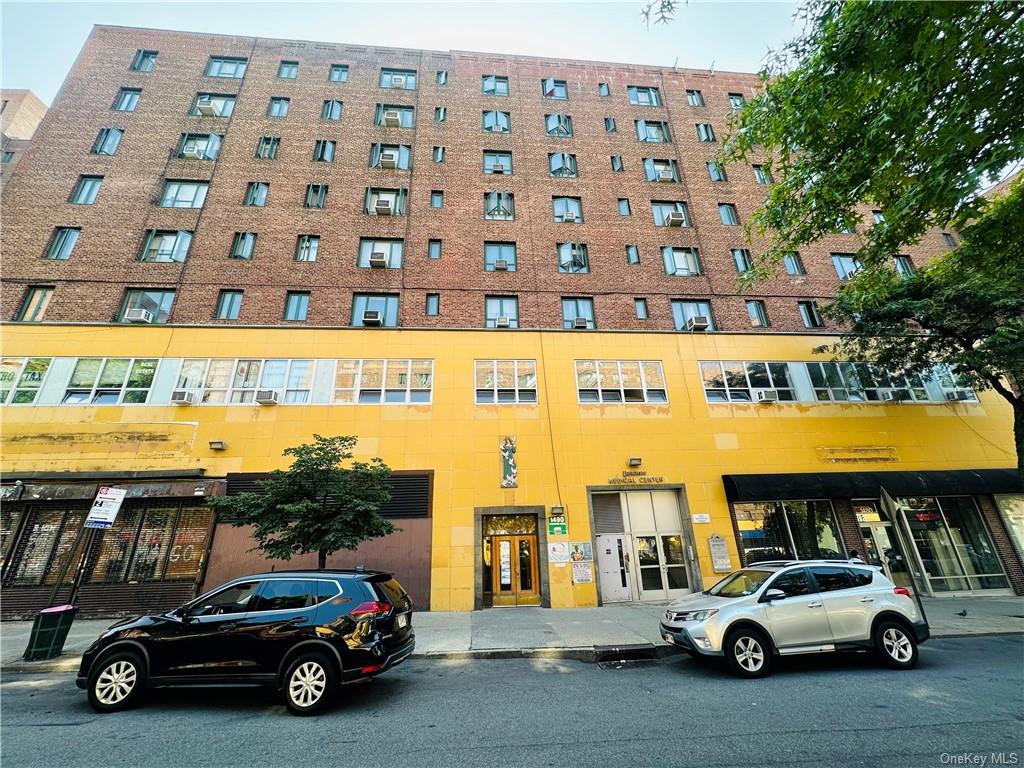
{"x": 788, "y": 530}
{"x": 1012, "y": 507}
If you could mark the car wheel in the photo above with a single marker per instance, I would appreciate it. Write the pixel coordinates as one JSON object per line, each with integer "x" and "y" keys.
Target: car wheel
{"x": 748, "y": 653}
{"x": 896, "y": 645}
{"x": 310, "y": 684}
{"x": 117, "y": 682}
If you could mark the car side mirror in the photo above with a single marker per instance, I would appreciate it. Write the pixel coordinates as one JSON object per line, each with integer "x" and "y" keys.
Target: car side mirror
{"x": 773, "y": 594}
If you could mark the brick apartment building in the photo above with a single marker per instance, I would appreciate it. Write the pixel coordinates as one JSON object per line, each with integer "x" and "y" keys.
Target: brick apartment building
{"x": 208, "y": 231}
{"x": 20, "y": 114}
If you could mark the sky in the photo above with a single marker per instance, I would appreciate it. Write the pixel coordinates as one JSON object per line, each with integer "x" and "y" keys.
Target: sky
{"x": 41, "y": 39}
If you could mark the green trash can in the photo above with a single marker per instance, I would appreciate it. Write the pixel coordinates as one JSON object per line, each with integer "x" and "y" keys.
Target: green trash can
{"x": 49, "y": 631}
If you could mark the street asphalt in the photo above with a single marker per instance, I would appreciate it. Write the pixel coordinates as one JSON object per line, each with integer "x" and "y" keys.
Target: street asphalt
{"x": 966, "y": 697}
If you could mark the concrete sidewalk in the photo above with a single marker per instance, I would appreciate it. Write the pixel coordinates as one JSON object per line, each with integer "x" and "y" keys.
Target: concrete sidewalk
{"x": 571, "y": 633}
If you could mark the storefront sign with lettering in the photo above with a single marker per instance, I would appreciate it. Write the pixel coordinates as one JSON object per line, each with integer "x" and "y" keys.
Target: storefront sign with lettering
{"x": 635, "y": 477}
{"x": 720, "y": 560}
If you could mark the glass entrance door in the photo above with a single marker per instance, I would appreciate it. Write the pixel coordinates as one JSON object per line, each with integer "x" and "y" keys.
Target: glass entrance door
{"x": 661, "y": 566}
{"x": 883, "y": 549}
{"x": 514, "y": 570}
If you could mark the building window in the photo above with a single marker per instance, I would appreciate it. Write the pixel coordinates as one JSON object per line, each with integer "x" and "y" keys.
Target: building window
{"x": 617, "y": 166}
{"x": 288, "y": 70}
{"x": 878, "y": 217}
{"x": 904, "y": 266}
{"x": 213, "y": 105}
{"x": 768, "y": 531}
{"x": 562, "y": 164}
{"x": 680, "y": 262}
{"x": 306, "y": 247}
{"x": 200, "y": 146}
{"x": 394, "y": 116}
{"x": 694, "y": 98}
{"x": 809, "y": 314}
{"x": 859, "y": 382}
{"x": 554, "y": 89}
{"x": 578, "y": 313}
{"x": 107, "y": 141}
{"x": 953, "y": 386}
{"x": 632, "y": 254}
{"x": 86, "y": 190}
{"x": 397, "y": 156}
{"x": 385, "y": 202}
{"x": 243, "y": 245}
{"x": 660, "y": 170}
{"x": 278, "y": 107}
{"x": 166, "y": 246}
{"x": 155, "y": 305}
{"x": 567, "y": 209}
{"x": 497, "y": 162}
{"x": 497, "y": 122}
{"x": 224, "y": 66}
{"x": 296, "y": 306}
{"x": 641, "y": 309}
{"x": 670, "y": 213}
{"x": 499, "y": 206}
{"x": 652, "y": 131}
{"x": 437, "y": 155}
{"x": 949, "y": 240}
{"x": 501, "y": 312}
{"x": 558, "y": 124}
{"x": 381, "y": 253}
{"x": 110, "y": 381}
{"x": 440, "y": 114}
{"x": 144, "y": 61}
{"x": 506, "y": 381}
{"x": 229, "y": 305}
{"x": 499, "y": 257}
{"x": 495, "y": 85}
{"x": 846, "y": 229}
{"x": 184, "y": 194}
{"x": 7, "y": 157}
{"x": 846, "y": 265}
{"x": 727, "y": 212}
{"x": 683, "y": 312}
{"x": 620, "y": 381}
{"x": 794, "y": 264}
{"x": 644, "y": 96}
{"x": 63, "y": 243}
{"x": 33, "y": 308}
{"x": 331, "y": 110}
{"x": 736, "y": 101}
{"x": 741, "y": 258}
{"x": 21, "y": 378}
{"x": 404, "y": 79}
{"x": 316, "y": 196}
{"x": 603, "y": 89}
{"x": 705, "y": 132}
{"x": 433, "y": 307}
{"x": 624, "y": 209}
{"x": 230, "y": 381}
{"x": 441, "y": 77}
{"x": 433, "y": 249}
{"x": 757, "y": 313}
{"x": 323, "y": 151}
{"x": 127, "y": 99}
{"x": 609, "y": 125}
{"x": 761, "y": 175}
{"x": 369, "y": 309}
{"x": 266, "y": 148}
{"x": 338, "y": 73}
{"x": 734, "y": 381}
{"x": 573, "y": 257}
{"x": 437, "y": 199}
{"x": 716, "y": 171}
{"x": 256, "y": 194}
{"x": 375, "y": 382}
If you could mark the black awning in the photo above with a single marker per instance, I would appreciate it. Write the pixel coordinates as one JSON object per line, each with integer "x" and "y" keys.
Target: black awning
{"x": 868, "y": 485}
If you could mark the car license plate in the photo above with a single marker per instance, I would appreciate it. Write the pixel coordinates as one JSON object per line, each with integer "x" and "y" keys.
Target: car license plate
{"x": 402, "y": 621}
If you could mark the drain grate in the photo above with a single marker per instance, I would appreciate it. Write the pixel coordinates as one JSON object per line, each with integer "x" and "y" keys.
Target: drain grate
{"x": 621, "y": 656}
{"x": 627, "y": 664}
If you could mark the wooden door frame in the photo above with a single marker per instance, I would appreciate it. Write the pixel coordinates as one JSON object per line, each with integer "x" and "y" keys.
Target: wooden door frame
{"x": 515, "y": 565}
{"x": 537, "y": 511}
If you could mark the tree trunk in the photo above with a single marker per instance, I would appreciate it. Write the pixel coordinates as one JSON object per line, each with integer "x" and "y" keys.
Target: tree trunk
{"x": 321, "y": 559}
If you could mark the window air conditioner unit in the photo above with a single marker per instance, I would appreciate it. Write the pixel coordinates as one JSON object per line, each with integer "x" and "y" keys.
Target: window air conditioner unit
{"x": 569, "y": 216}
{"x": 372, "y": 317}
{"x": 698, "y": 323}
{"x": 384, "y": 207}
{"x": 579, "y": 322}
{"x": 766, "y": 395}
{"x": 192, "y": 152}
{"x": 204, "y": 106}
{"x": 266, "y": 396}
{"x": 392, "y": 118}
{"x": 388, "y": 159}
{"x": 398, "y": 81}
{"x": 501, "y": 322}
{"x": 675, "y": 219}
{"x": 666, "y": 175}
{"x": 138, "y": 316}
{"x": 181, "y": 397}
{"x": 887, "y": 395}
{"x": 500, "y": 265}
{"x": 497, "y": 168}
{"x": 960, "y": 394}
{"x": 378, "y": 259}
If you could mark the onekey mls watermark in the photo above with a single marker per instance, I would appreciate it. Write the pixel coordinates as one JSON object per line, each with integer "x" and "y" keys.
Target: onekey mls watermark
{"x": 979, "y": 758}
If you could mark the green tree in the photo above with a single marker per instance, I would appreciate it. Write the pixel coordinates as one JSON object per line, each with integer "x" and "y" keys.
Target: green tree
{"x": 316, "y": 505}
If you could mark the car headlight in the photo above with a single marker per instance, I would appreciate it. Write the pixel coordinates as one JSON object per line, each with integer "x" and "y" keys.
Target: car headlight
{"x": 699, "y": 615}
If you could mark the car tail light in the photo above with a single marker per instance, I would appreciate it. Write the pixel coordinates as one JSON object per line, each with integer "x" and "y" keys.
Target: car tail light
{"x": 370, "y": 609}
{"x": 901, "y": 591}
{"x": 372, "y": 668}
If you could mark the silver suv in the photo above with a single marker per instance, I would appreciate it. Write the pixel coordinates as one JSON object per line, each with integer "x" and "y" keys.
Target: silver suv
{"x": 787, "y": 607}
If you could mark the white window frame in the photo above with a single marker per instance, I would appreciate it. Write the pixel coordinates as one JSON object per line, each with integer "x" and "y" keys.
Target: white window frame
{"x": 514, "y": 395}
{"x": 387, "y": 364}
{"x": 649, "y": 394}
{"x": 776, "y": 371}
{"x": 90, "y": 393}
{"x": 13, "y": 372}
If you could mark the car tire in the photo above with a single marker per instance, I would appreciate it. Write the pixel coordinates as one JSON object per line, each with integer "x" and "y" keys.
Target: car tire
{"x": 116, "y": 682}
{"x": 896, "y": 645}
{"x": 747, "y": 652}
{"x": 310, "y": 684}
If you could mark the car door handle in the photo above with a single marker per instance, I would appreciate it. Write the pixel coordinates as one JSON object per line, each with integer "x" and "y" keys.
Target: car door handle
{"x": 867, "y": 599}
{"x": 814, "y": 605}
{"x": 227, "y": 627}
{"x": 298, "y": 621}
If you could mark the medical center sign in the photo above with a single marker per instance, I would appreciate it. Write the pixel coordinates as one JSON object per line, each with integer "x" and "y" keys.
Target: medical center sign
{"x": 105, "y": 507}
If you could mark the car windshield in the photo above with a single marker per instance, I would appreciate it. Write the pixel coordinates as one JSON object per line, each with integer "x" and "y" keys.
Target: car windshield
{"x": 740, "y": 583}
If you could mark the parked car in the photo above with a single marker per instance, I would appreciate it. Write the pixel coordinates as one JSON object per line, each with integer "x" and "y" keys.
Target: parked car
{"x": 302, "y": 632}
{"x": 790, "y": 607}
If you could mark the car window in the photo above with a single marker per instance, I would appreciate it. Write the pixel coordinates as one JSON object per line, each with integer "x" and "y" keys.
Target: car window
{"x": 285, "y": 595}
{"x": 861, "y": 577}
{"x": 234, "y": 599}
{"x": 830, "y": 578}
{"x": 391, "y": 591}
{"x": 793, "y": 583}
{"x": 741, "y": 583}
{"x": 325, "y": 590}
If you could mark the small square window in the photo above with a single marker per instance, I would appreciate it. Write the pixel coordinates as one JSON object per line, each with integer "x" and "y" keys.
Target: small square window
{"x": 632, "y": 254}
{"x": 694, "y": 98}
{"x": 63, "y": 243}
{"x": 440, "y": 114}
{"x": 741, "y": 258}
{"x": 558, "y": 125}
{"x": 278, "y": 107}
{"x": 86, "y": 190}
{"x": 794, "y": 264}
{"x": 761, "y": 175}
{"x": 624, "y": 209}
{"x": 736, "y": 101}
{"x": 306, "y": 247}
{"x": 809, "y": 314}
{"x": 404, "y": 79}
{"x": 603, "y": 89}
{"x": 757, "y": 313}
{"x": 554, "y": 89}
{"x": 288, "y": 70}
{"x": 878, "y": 217}
{"x": 127, "y": 99}
{"x": 497, "y": 122}
{"x": 338, "y": 73}
{"x": 316, "y": 195}
{"x": 33, "y": 307}
{"x": 226, "y": 66}
{"x": 904, "y": 266}
{"x": 107, "y": 141}
{"x": 438, "y": 155}
{"x": 331, "y": 110}
{"x": 437, "y": 199}
{"x": 441, "y": 78}
{"x": 495, "y": 85}
{"x": 144, "y": 61}
{"x": 716, "y": 171}
{"x": 433, "y": 249}
{"x": 256, "y": 194}
{"x": 727, "y": 212}
{"x": 609, "y": 125}
{"x": 949, "y": 240}
{"x": 705, "y": 132}
{"x": 266, "y": 148}
{"x": 641, "y": 309}
{"x": 243, "y": 245}
{"x": 617, "y": 163}
{"x": 229, "y": 305}
{"x": 433, "y": 304}
{"x": 296, "y": 306}
{"x": 323, "y": 151}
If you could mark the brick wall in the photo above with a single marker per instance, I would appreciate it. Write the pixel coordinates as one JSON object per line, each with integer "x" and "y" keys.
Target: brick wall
{"x": 1001, "y": 540}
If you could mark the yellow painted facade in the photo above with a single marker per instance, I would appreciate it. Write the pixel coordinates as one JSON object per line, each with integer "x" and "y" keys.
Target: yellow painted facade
{"x": 563, "y": 446}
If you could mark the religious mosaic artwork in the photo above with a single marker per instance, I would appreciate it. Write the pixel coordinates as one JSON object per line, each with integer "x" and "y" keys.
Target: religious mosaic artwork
{"x": 509, "y": 468}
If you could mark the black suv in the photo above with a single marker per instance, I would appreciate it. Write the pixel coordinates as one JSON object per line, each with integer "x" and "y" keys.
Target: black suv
{"x": 304, "y": 632}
